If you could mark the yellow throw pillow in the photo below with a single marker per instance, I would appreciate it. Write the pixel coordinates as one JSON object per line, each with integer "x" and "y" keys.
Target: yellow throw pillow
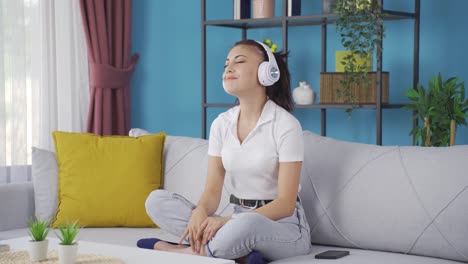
{"x": 104, "y": 180}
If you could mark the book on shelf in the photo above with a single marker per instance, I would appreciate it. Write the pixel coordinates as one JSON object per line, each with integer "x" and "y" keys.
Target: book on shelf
{"x": 4, "y": 247}
{"x": 294, "y": 7}
{"x": 241, "y": 9}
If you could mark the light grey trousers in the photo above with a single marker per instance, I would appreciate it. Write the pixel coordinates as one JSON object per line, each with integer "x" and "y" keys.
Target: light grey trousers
{"x": 245, "y": 232}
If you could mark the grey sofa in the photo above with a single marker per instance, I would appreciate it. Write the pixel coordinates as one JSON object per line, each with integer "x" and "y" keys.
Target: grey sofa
{"x": 385, "y": 204}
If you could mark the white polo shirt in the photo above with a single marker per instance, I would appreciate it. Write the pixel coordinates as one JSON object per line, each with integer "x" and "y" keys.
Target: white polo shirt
{"x": 252, "y": 167}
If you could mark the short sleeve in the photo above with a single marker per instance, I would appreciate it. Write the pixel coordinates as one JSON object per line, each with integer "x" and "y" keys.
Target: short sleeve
{"x": 215, "y": 142}
{"x": 291, "y": 142}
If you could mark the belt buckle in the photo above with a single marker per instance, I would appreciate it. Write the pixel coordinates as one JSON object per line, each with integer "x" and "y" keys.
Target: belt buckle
{"x": 248, "y": 207}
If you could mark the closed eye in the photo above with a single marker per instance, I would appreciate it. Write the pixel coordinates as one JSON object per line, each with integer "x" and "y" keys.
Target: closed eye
{"x": 234, "y": 62}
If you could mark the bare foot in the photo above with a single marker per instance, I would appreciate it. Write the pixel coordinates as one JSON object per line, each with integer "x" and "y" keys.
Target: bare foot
{"x": 242, "y": 260}
{"x": 184, "y": 249}
{"x": 163, "y": 245}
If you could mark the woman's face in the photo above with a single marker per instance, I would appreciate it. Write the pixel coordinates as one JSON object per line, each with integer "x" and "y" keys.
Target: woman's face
{"x": 240, "y": 72}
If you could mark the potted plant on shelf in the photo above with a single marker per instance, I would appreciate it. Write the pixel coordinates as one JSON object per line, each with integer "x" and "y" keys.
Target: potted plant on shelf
{"x": 360, "y": 25}
{"x": 38, "y": 245}
{"x": 68, "y": 247}
{"x": 442, "y": 107}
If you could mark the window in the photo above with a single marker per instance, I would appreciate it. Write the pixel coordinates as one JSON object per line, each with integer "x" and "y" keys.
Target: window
{"x": 15, "y": 82}
{"x": 44, "y": 80}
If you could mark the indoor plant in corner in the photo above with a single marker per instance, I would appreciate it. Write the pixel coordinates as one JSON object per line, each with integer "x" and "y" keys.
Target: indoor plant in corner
{"x": 68, "y": 247}
{"x": 360, "y": 25}
{"x": 441, "y": 108}
{"x": 38, "y": 245}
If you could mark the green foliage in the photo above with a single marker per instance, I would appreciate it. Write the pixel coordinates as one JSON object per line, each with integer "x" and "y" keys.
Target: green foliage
{"x": 360, "y": 24}
{"x": 443, "y": 101}
{"x": 38, "y": 229}
{"x": 68, "y": 233}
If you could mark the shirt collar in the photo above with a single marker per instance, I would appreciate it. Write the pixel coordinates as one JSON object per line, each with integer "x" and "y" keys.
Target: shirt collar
{"x": 267, "y": 115}
{"x": 268, "y": 112}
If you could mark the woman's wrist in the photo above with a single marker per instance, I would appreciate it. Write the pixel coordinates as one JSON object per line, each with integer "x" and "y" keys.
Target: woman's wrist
{"x": 200, "y": 209}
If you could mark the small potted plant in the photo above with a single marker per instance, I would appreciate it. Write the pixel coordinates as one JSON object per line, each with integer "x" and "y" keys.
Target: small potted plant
{"x": 441, "y": 108}
{"x": 38, "y": 245}
{"x": 68, "y": 247}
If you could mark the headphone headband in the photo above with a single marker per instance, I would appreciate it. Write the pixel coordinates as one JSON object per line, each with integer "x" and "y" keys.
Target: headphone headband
{"x": 268, "y": 71}
{"x": 271, "y": 57}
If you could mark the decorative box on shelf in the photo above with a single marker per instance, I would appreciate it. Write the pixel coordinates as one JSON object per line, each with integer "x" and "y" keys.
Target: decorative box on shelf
{"x": 330, "y": 81}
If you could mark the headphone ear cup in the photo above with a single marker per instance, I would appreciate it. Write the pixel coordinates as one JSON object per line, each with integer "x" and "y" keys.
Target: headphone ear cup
{"x": 273, "y": 74}
{"x": 263, "y": 74}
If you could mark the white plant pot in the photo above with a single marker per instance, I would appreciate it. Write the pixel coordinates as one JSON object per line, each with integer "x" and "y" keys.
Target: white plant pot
{"x": 38, "y": 250}
{"x": 67, "y": 253}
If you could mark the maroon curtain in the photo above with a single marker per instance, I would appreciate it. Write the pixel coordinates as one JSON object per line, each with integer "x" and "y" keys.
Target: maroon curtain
{"x": 108, "y": 29}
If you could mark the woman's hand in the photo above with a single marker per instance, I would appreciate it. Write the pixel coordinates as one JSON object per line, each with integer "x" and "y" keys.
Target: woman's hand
{"x": 209, "y": 227}
{"x": 196, "y": 220}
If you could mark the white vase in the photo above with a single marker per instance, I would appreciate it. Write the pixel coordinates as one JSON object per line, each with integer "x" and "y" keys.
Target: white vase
{"x": 67, "y": 253}
{"x": 303, "y": 95}
{"x": 38, "y": 250}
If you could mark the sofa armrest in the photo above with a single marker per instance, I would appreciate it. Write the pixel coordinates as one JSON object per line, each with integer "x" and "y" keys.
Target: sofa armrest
{"x": 16, "y": 205}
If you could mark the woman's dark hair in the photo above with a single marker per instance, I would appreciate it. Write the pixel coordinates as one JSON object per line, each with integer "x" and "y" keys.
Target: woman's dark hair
{"x": 279, "y": 92}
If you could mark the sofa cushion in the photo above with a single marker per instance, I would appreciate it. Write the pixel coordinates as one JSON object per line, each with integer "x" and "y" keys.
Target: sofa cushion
{"x": 359, "y": 256}
{"x": 45, "y": 181}
{"x": 104, "y": 181}
{"x": 400, "y": 199}
{"x": 180, "y": 153}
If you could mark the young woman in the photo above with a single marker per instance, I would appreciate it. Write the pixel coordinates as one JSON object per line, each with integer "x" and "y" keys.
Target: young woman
{"x": 256, "y": 150}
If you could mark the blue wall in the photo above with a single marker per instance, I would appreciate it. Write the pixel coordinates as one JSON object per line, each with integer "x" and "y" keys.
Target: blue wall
{"x": 166, "y": 87}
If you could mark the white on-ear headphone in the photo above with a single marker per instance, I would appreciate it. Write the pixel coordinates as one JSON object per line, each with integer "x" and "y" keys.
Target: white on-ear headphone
{"x": 268, "y": 71}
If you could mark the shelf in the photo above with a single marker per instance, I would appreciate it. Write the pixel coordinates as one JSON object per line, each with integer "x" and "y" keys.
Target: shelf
{"x": 335, "y": 106}
{"x": 393, "y": 106}
{"x": 296, "y": 20}
{"x": 321, "y": 20}
{"x": 322, "y": 106}
{"x": 247, "y": 23}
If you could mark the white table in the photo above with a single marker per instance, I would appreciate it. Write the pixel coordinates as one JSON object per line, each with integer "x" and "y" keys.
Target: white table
{"x": 127, "y": 254}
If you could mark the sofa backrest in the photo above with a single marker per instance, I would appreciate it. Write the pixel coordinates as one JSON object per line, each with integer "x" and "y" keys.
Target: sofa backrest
{"x": 16, "y": 205}
{"x": 186, "y": 168}
{"x": 402, "y": 199}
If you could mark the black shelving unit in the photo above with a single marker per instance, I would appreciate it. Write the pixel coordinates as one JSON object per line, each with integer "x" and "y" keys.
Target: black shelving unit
{"x": 284, "y": 22}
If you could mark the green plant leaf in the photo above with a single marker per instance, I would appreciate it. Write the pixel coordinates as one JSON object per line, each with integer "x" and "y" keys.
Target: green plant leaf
{"x": 38, "y": 229}
{"x": 412, "y": 94}
{"x": 418, "y": 136}
{"x": 68, "y": 233}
